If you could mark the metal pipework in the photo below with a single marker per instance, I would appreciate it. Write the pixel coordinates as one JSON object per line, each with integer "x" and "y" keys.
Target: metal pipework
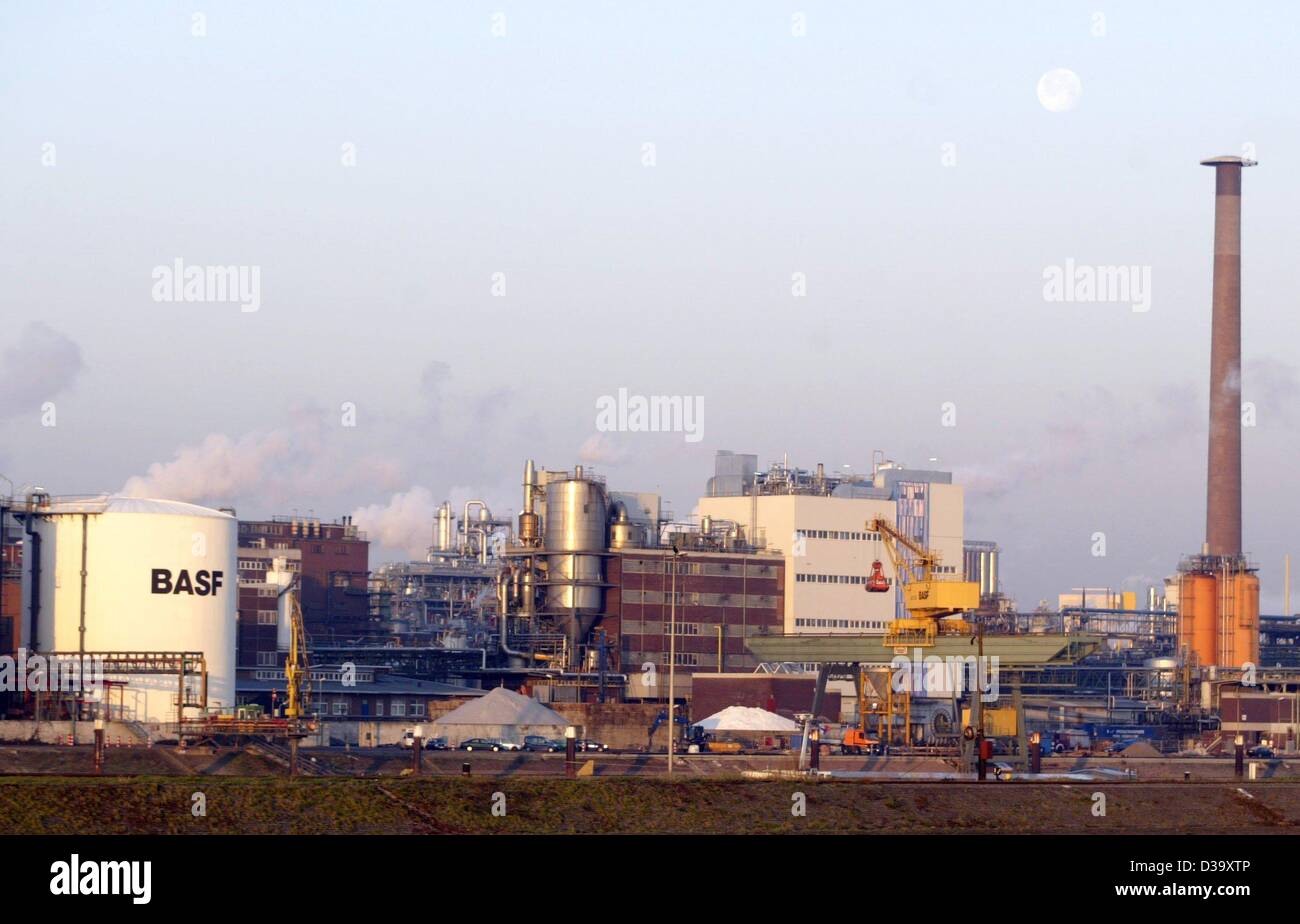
{"x": 484, "y": 515}
{"x": 529, "y": 528}
{"x": 503, "y": 618}
{"x": 37, "y": 500}
{"x": 1223, "y": 494}
{"x": 530, "y": 485}
{"x": 503, "y": 592}
{"x": 482, "y": 542}
{"x": 33, "y": 553}
{"x": 528, "y": 591}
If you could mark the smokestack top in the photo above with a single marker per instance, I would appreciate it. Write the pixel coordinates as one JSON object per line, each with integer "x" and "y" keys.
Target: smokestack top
{"x": 1226, "y": 160}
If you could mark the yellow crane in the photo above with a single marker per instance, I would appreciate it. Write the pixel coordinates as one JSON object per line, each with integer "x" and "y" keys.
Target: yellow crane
{"x": 928, "y": 595}
{"x": 297, "y": 670}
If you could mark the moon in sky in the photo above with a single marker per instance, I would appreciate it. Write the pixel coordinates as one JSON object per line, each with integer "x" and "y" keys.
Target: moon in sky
{"x": 1059, "y": 90}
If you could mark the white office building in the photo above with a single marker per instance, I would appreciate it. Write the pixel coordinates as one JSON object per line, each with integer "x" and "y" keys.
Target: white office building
{"x": 819, "y": 522}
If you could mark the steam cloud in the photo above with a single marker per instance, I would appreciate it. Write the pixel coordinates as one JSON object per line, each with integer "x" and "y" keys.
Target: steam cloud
{"x": 217, "y": 468}
{"x": 403, "y": 523}
{"x": 313, "y": 460}
{"x": 601, "y": 449}
{"x": 40, "y": 365}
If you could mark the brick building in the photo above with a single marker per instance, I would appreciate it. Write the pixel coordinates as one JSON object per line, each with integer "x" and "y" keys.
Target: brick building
{"x": 722, "y": 597}
{"x": 335, "y": 568}
{"x": 332, "y": 562}
{"x": 1266, "y": 713}
{"x": 11, "y": 579}
{"x": 255, "y": 639}
{"x": 11, "y": 584}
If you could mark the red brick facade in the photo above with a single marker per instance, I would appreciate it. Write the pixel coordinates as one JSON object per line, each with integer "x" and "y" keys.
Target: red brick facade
{"x": 743, "y": 594}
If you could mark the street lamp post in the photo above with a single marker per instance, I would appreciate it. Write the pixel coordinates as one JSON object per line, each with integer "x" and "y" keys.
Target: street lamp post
{"x": 672, "y": 660}
{"x": 99, "y": 745}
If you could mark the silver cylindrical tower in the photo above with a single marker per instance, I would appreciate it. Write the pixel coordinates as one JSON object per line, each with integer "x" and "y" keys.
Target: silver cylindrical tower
{"x": 443, "y": 528}
{"x": 577, "y": 518}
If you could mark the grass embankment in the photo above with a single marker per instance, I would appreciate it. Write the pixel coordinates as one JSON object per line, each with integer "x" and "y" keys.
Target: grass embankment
{"x": 52, "y": 805}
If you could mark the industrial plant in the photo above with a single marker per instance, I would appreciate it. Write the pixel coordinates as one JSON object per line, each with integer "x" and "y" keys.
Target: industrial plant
{"x": 833, "y": 618}
{"x": 669, "y": 424}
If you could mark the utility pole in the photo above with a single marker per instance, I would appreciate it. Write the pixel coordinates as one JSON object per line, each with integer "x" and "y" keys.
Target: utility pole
{"x": 977, "y": 707}
{"x": 672, "y": 659}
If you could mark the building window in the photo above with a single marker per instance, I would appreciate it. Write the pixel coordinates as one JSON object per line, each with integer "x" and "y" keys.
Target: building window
{"x": 267, "y": 659}
{"x": 683, "y": 659}
{"x": 340, "y": 707}
{"x": 379, "y": 708}
{"x": 399, "y": 709}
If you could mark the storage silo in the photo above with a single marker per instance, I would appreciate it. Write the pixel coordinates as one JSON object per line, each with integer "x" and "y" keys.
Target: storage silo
{"x": 1241, "y": 636}
{"x": 1198, "y": 617}
{"x": 124, "y": 574}
{"x": 576, "y": 522}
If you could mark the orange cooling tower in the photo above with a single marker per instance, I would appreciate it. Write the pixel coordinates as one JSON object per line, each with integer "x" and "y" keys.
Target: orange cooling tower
{"x": 1198, "y": 618}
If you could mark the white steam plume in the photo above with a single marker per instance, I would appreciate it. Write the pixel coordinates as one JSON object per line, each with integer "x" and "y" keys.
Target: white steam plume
{"x": 405, "y": 522}
{"x": 217, "y": 468}
{"x": 42, "y": 363}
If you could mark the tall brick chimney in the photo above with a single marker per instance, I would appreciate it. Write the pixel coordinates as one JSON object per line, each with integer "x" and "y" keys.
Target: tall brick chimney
{"x": 1223, "y": 499}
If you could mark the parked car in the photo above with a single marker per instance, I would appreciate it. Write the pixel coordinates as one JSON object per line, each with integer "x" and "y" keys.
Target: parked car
{"x": 480, "y": 744}
{"x": 1261, "y": 751}
{"x": 540, "y": 743}
{"x": 587, "y": 744}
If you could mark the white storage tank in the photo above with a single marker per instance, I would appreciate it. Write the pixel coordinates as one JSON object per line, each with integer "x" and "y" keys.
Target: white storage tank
{"x": 160, "y": 576}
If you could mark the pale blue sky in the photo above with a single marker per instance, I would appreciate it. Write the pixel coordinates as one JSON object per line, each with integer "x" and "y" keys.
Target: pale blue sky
{"x": 775, "y": 154}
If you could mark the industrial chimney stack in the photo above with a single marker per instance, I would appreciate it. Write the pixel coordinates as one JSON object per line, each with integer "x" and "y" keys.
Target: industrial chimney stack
{"x": 1218, "y": 591}
{"x": 1223, "y": 500}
